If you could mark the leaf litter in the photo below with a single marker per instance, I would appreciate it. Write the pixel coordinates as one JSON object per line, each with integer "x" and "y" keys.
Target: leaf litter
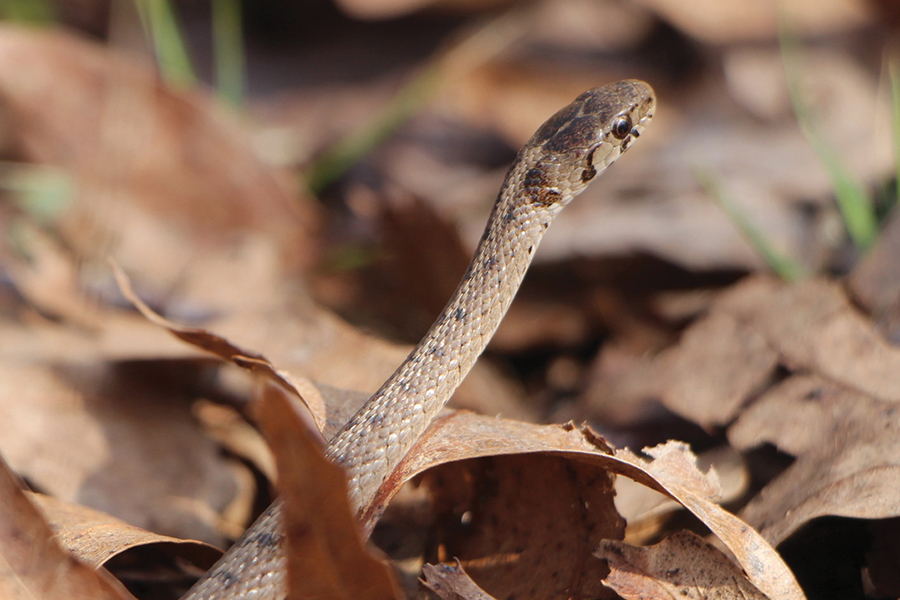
{"x": 216, "y": 240}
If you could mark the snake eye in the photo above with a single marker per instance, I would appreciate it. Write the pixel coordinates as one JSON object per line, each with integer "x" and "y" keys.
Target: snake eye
{"x": 621, "y": 128}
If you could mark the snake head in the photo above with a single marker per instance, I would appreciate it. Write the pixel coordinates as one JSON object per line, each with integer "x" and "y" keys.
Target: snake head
{"x": 585, "y": 137}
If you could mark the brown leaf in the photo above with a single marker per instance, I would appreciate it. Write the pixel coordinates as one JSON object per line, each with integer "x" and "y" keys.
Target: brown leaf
{"x": 719, "y": 363}
{"x": 646, "y": 510}
{"x": 144, "y": 460}
{"x": 326, "y": 555}
{"x": 875, "y": 281}
{"x": 226, "y": 425}
{"x": 847, "y": 447}
{"x": 462, "y": 436}
{"x": 728, "y": 357}
{"x": 816, "y": 328}
{"x": 217, "y": 345}
{"x": 682, "y": 566}
{"x": 94, "y": 537}
{"x": 184, "y": 164}
{"x": 742, "y": 20}
{"x": 510, "y": 520}
{"x": 33, "y": 565}
{"x": 451, "y": 582}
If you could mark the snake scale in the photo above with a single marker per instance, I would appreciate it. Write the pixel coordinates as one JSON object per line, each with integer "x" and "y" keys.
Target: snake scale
{"x": 564, "y": 155}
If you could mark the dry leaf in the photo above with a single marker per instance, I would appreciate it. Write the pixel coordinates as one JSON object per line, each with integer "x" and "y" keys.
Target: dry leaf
{"x": 719, "y": 364}
{"x": 875, "y": 281}
{"x": 511, "y": 521}
{"x": 682, "y": 566}
{"x": 226, "y": 425}
{"x": 717, "y": 22}
{"x": 462, "y": 436}
{"x": 847, "y": 447}
{"x": 451, "y": 582}
{"x": 94, "y": 537}
{"x": 33, "y": 565}
{"x": 728, "y": 357}
{"x": 326, "y": 555}
{"x": 217, "y": 345}
{"x": 647, "y": 510}
{"x": 816, "y": 328}
{"x": 183, "y": 165}
{"x": 145, "y": 460}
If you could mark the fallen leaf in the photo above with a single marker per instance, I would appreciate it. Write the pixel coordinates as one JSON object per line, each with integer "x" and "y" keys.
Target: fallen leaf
{"x": 217, "y": 345}
{"x": 646, "y": 510}
{"x": 326, "y": 554}
{"x": 185, "y": 164}
{"x": 226, "y": 425}
{"x": 815, "y": 328}
{"x": 728, "y": 357}
{"x": 681, "y": 566}
{"x": 451, "y": 582}
{"x": 875, "y": 281}
{"x": 847, "y": 446}
{"x": 719, "y": 363}
{"x": 33, "y": 565}
{"x": 746, "y": 20}
{"x": 94, "y": 537}
{"x": 68, "y": 431}
{"x": 461, "y": 436}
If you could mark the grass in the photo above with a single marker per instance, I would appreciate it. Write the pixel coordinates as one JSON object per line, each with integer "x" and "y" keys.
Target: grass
{"x": 449, "y": 65}
{"x": 854, "y": 202}
{"x": 162, "y": 28}
{"x": 33, "y": 12}
{"x": 41, "y": 191}
{"x": 856, "y": 205}
{"x": 782, "y": 265}
{"x": 164, "y": 31}
{"x": 228, "y": 47}
{"x": 894, "y": 74}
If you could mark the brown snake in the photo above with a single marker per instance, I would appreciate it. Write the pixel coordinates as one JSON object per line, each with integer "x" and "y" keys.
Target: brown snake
{"x": 556, "y": 164}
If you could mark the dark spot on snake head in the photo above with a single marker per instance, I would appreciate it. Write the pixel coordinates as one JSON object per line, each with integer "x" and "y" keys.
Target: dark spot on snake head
{"x": 554, "y": 123}
{"x": 589, "y": 173}
{"x": 602, "y": 102}
{"x": 581, "y": 133}
{"x": 589, "y": 170}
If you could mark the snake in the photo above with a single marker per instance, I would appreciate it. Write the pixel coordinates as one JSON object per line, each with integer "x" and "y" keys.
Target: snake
{"x": 563, "y": 156}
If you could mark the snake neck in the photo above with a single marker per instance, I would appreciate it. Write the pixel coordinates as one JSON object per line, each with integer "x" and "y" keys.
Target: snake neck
{"x": 379, "y": 436}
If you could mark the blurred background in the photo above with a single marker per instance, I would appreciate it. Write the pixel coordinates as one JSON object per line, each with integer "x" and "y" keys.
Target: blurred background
{"x": 309, "y": 179}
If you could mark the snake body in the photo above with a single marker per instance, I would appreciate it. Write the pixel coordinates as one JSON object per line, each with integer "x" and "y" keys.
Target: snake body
{"x": 557, "y": 163}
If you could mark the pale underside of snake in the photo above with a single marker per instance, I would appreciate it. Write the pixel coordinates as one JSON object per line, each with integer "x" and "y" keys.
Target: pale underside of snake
{"x": 557, "y": 163}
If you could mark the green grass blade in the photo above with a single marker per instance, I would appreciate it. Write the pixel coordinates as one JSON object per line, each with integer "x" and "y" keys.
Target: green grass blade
{"x": 32, "y": 12}
{"x": 161, "y": 22}
{"x": 336, "y": 160}
{"x": 783, "y": 266}
{"x": 894, "y": 69}
{"x": 45, "y": 193}
{"x": 855, "y": 204}
{"x": 477, "y": 48}
{"x": 228, "y": 46}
